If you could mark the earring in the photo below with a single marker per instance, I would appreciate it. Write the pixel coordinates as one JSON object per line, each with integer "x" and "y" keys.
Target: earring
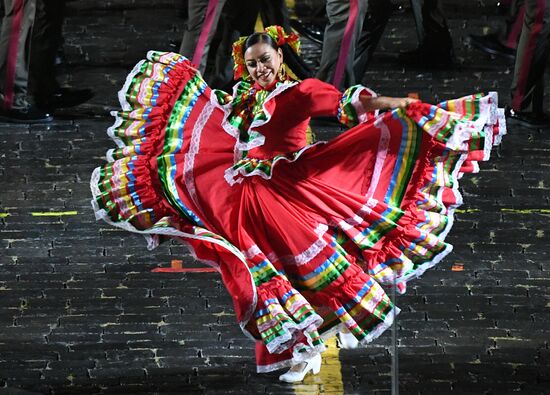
{"x": 282, "y": 72}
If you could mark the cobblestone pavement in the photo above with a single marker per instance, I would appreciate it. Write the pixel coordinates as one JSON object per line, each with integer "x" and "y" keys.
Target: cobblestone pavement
{"x": 81, "y": 312}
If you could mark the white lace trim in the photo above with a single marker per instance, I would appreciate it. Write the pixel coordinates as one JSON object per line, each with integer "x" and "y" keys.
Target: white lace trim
{"x": 501, "y": 126}
{"x": 419, "y": 271}
{"x": 232, "y": 175}
{"x": 307, "y": 255}
{"x": 362, "y": 114}
{"x": 252, "y": 252}
{"x": 496, "y": 117}
{"x": 304, "y": 257}
{"x": 359, "y": 216}
{"x": 94, "y": 181}
{"x": 296, "y": 358}
{"x": 381, "y": 328}
{"x": 381, "y": 153}
{"x": 291, "y": 331}
{"x": 189, "y": 163}
{"x": 274, "y": 366}
{"x": 129, "y": 78}
{"x": 235, "y": 133}
{"x": 167, "y": 57}
{"x": 121, "y": 94}
{"x": 111, "y": 130}
{"x": 462, "y": 133}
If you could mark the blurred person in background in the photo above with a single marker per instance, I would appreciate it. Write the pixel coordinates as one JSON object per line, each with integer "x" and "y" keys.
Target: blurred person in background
{"x": 527, "y": 90}
{"x": 30, "y": 36}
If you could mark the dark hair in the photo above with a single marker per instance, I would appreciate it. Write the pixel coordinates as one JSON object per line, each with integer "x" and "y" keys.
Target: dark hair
{"x": 261, "y": 38}
{"x": 291, "y": 58}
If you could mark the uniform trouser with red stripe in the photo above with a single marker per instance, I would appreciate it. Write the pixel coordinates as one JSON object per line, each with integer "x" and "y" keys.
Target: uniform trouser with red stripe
{"x": 514, "y": 23}
{"x": 203, "y": 18}
{"x": 15, "y": 44}
{"x": 345, "y": 23}
{"x": 531, "y": 57}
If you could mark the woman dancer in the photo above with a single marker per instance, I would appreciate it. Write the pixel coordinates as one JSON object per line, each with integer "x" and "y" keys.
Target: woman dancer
{"x": 303, "y": 235}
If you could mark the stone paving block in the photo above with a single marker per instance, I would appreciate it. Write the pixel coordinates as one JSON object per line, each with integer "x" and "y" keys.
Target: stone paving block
{"x": 96, "y": 263}
{"x": 17, "y": 302}
{"x": 72, "y": 338}
{"x": 23, "y": 375}
{"x": 32, "y": 332}
{"x": 130, "y": 337}
{"x": 532, "y": 388}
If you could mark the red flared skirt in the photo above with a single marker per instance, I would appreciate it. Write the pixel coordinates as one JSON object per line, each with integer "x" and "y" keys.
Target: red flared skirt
{"x": 306, "y": 249}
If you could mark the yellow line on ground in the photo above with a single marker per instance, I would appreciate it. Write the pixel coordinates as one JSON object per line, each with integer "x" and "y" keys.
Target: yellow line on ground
{"x": 53, "y": 213}
{"x": 525, "y": 211}
{"x": 329, "y": 380}
{"x": 508, "y": 210}
{"x": 467, "y": 210}
{"x": 4, "y": 215}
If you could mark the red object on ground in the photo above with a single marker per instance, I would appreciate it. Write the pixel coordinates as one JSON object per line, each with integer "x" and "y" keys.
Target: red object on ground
{"x": 177, "y": 267}
{"x": 457, "y": 267}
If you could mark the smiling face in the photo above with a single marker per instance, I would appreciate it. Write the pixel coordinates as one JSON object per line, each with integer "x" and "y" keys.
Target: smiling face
{"x": 263, "y": 62}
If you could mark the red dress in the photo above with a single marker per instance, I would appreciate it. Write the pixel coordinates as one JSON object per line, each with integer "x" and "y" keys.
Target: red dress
{"x": 304, "y": 236}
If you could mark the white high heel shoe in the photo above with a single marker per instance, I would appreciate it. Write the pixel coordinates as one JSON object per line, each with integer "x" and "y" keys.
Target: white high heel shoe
{"x": 347, "y": 339}
{"x": 298, "y": 372}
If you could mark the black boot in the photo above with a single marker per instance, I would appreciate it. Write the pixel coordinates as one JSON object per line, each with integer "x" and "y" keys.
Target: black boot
{"x": 529, "y": 119}
{"x": 492, "y": 45}
{"x": 30, "y": 114}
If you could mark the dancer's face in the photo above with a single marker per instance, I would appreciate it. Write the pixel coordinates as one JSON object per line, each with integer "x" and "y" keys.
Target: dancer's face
{"x": 263, "y": 63}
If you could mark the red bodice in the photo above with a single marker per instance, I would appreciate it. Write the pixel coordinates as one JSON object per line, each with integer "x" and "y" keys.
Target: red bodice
{"x": 291, "y": 111}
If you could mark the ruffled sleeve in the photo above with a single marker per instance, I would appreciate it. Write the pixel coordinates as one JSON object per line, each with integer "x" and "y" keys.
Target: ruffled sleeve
{"x": 324, "y": 99}
{"x": 350, "y": 109}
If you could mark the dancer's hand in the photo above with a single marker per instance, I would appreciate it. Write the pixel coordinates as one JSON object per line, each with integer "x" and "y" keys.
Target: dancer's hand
{"x": 400, "y": 102}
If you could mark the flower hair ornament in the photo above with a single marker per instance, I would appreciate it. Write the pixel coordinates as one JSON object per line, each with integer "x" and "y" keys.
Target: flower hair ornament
{"x": 278, "y": 35}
